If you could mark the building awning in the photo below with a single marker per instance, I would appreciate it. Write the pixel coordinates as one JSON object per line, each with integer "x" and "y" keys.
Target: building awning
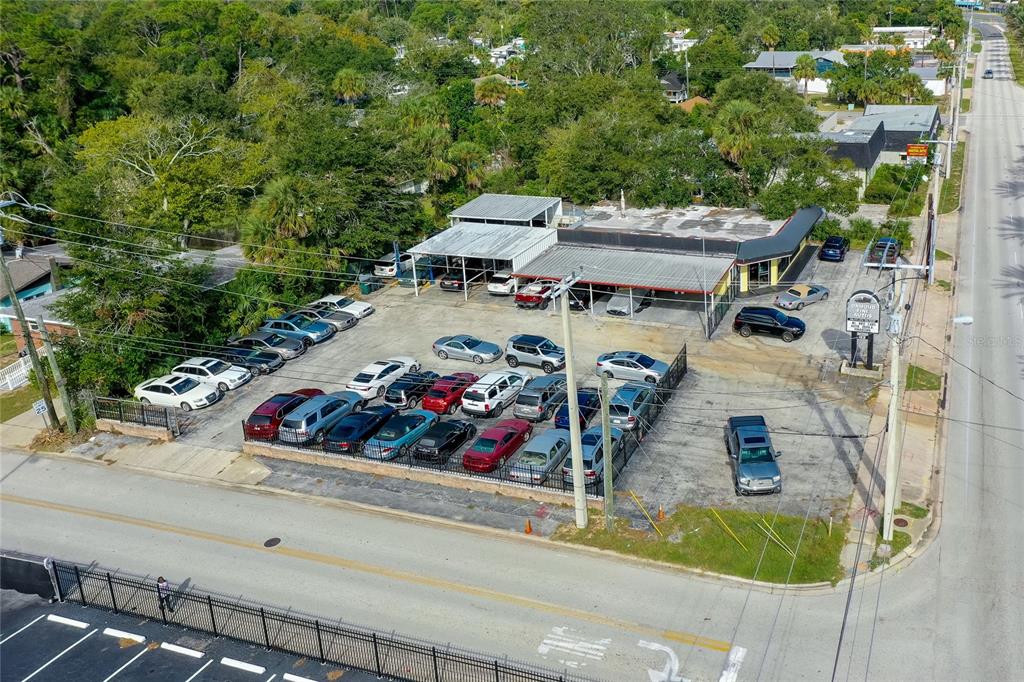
{"x": 783, "y": 243}
{"x": 676, "y": 272}
{"x": 510, "y": 207}
{"x": 487, "y": 241}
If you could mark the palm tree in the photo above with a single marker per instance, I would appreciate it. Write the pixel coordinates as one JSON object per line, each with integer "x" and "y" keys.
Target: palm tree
{"x": 805, "y": 69}
{"x": 907, "y": 85}
{"x": 470, "y": 158}
{"x": 491, "y": 91}
{"x": 279, "y": 215}
{"x": 770, "y": 36}
{"x": 348, "y": 85}
{"x": 869, "y": 92}
{"x": 735, "y": 129}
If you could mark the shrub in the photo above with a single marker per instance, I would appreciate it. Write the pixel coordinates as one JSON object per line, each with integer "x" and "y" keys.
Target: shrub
{"x": 825, "y": 228}
{"x": 863, "y": 230}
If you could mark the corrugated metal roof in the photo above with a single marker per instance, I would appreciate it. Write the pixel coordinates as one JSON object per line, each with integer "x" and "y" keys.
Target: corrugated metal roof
{"x": 899, "y": 117}
{"x": 783, "y": 59}
{"x": 689, "y": 273}
{"x": 504, "y": 207}
{"x": 476, "y": 240}
{"x": 785, "y": 241}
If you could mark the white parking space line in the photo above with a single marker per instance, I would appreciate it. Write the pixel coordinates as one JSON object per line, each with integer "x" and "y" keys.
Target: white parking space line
{"x": 242, "y": 665}
{"x": 121, "y": 634}
{"x": 196, "y": 673}
{"x": 43, "y": 667}
{"x": 732, "y": 667}
{"x": 271, "y": 678}
{"x": 67, "y": 621}
{"x": 295, "y": 678}
{"x": 181, "y": 650}
{"x": 144, "y": 650}
{"x": 26, "y": 627}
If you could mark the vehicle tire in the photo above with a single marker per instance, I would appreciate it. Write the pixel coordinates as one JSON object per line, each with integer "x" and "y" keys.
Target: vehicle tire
{"x": 745, "y": 331}
{"x": 824, "y": 297}
{"x": 415, "y": 367}
{"x": 222, "y": 387}
{"x": 651, "y": 380}
{"x": 380, "y": 391}
{"x": 547, "y": 367}
{"x": 543, "y": 305}
{"x": 608, "y": 374}
{"x": 799, "y": 306}
{"x": 145, "y": 401}
{"x": 478, "y": 360}
{"x": 498, "y": 409}
{"x": 318, "y": 437}
{"x": 307, "y": 342}
{"x": 739, "y": 493}
{"x": 403, "y": 451}
{"x": 412, "y": 403}
{"x": 442, "y": 355}
{"x": 450, "y": 409}
{"x": 186, "y": 407}
{"x": 787, "y": 337}
{"x": 359, "y": 406}
{"x": 512, "y": 360}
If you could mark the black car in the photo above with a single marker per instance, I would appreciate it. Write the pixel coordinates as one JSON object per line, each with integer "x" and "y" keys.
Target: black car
{"x": 257, "y": 362}
{"x": 753, "y": 320}
{"x": 442, "y": 440}
{"x": 834, "y": 249}
{"x": 353, "y": 430}
{"x": 452, "y": 281}
{"x": 410, "y": 389}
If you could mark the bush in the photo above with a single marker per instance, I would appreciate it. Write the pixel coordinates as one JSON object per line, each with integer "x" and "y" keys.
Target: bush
{"x": 864, "y": 230}
{"x": 825, "y": 228}
{"x": 900, "y": 187}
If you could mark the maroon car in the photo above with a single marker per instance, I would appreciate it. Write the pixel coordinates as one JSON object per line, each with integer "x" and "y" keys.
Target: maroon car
{"x": 535, "y": 294}
{"x": 446, "y": 393}
{"x": 496, "y": 445}
{"x": 265, "y": 420}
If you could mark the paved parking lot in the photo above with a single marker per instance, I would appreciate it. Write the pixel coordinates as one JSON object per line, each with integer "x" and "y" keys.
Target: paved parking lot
{"x": 43, "y": 642}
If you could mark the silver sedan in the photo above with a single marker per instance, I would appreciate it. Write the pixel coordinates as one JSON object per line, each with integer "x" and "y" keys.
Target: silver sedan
{"x": 799, "y": 295}
{"x": 631, "y": 366}
{"x": 466, "y": 347}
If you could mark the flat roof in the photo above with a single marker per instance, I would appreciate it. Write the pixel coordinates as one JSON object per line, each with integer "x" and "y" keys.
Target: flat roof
{"x": 693, "y": 222}
{"x": 40, "y": 305}
{"x": 478, "y": 240}
{"x": 225, "y": 263}
{"x": 898, "y": 117}
{"x": 682, "y": 272}
{"x": 504, "y": 207}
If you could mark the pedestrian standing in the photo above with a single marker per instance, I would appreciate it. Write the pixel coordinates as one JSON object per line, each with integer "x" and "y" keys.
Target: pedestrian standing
{"x": 163, "y": 591}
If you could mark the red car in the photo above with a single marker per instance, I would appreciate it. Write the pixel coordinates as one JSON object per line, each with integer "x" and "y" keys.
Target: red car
{"x": 496, "y": 445}
{"x": 446, "y": 393}
{"x": 535, "y": 294}
{"x": 265, "y": 420}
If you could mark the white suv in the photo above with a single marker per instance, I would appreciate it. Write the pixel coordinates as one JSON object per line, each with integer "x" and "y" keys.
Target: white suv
{"x": 385, "y": 266}
{"x": 172, "y": 391}
{"x": 343, "y": 304}
{"x": 375, "y": 378}
{"x": 493, "y": 392}
{"x": 502, "y": 284}
{"x": 214, "y": 372}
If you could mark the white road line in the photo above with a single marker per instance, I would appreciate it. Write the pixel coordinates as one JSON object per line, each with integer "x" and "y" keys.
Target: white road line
{"x": 67, "y": 621}
{"x": 43, "y": 667}
{"x": 271, "y": 678}
{"x": 121, "y": 634}
{"x": 242, "y": 665}
{"x": 144, "y": 650}
{"x": 196, "y": 673}
{"x": 295, "y": 678}
{"x": 22, "y": 628}
{"x": 732, "y": 667}
{"x": 181, "y": 650}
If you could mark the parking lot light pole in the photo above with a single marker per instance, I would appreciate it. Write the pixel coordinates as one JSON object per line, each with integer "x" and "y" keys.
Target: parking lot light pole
{"x": 579, "y": 489}
{"x": 892, "y": 450}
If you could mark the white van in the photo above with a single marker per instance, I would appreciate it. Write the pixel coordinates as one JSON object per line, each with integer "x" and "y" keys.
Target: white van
{"x": 493, "y": 392}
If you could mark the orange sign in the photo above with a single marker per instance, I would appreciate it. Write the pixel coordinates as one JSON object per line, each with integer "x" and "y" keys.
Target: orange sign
{"x": 917, "y": 150}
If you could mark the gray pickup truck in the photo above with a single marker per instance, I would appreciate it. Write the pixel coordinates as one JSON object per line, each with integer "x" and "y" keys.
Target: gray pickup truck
{"x": 754, "y": 466}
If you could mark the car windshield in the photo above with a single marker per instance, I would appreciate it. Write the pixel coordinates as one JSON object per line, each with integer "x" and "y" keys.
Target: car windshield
{"x": 260, "y": 419}
{"x": 781, "y": 317}
{"x": 342, "y": 302}
{"x": 533, "y": 459}
{"x": 618, "y": 410}
{"x": 343, "y": 431}
{"x": 218, "y": 367}
{"x": 471, "y": 342}
{"x": 500, "y": 279}
{"x": 546, "y": 345}
{"x": 385, "y": 263}
{"x": 485, "y": 445}
{"x": 645, "y": 361}
{"x": 755, "y": 455}
{"x": 394, "y": 431}
{"x": 436, "y": 393}
{"x": 184, "y": 386}
{"x": 293, "y": 424}
{"x": 394, "y": 393}
{"x": 363, "y": 378}
{"x": 476, "y": 396}
{"x": 275, "y": 340}
{"x": 591, "y": 439}
{"x": 527, "y": 399}
{"x": 795, "y": 292}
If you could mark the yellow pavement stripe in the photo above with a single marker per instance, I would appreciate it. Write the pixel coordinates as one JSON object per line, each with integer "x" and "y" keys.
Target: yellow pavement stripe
{"x": 372, "y": 569}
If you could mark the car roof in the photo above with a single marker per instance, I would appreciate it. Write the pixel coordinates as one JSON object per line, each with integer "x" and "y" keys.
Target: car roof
{"x": 443, "y": 427}
{"x": 630, "y": 354}
{"x": 274, "y": 403}
{"x": 258, "y": 336}
{"x": 631, "y": 390}
{"x": 801, "y": 289}
{"x": 757, "y": 310}
{"x": 494, "y": 377}
{"x": 546, "y": 438}
{"x": 313, "y": 404}
{"x": 529, "y": 338}
{"x": 835, "y": 238}
{"x": 543, "y": 381}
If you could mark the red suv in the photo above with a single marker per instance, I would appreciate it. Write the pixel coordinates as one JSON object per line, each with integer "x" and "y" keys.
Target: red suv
{"x": 266, "y": 419}
{"x": 535, "y": 294}
{"x": 496, "y": 445}
{"x": 446, "y": 393}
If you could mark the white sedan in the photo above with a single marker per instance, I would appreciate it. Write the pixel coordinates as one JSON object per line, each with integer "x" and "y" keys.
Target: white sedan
{"x": 375, "y": 378}
{"x": 344, "y": 304}
{"x": 173, "y": 391}
{"x": 213, "y": 372}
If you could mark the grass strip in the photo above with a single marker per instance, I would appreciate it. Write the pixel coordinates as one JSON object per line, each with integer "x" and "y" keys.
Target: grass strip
{"x": 949, "y": 196}
{"x": 919, "y": 379}
{"x": 13, "y": 403}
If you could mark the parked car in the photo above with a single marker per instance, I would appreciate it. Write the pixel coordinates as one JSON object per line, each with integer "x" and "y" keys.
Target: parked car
{"x": 410, "y": 389}
{"x": 579, "y": 298}
{"x": 310, "y": 421}
{"x": 535, "y": 294}
{"x": 385, "y": 266}
{"x": 213, "y": 372}
{"x": 631, "y": 366}
{"x": 592, "y": 442}
{"x": 988, "y": 74}
{"x": 271, "y": 342}
{"x": 442, "y": 439}
{"x": 502, "y": 283}
{"x": 446, "y": 393}
{"x": 493, "y": 392}
{"x": 265, "y": 420}
{"x": 350, "y": 433}
{"x": 589, "y": 403}
{"x": 541, "y": 397}
{"x": 466, "y": 347}
{"x": 885, "y": 251}
{"x": 375, "y": 378}
{"x": 834, "y": 249}
{"x": 496, "y": 445}
{"x": 754, "y": 465}
{"x": 538, "y": 351}
{"x": 256, "y": 361}
{"x": 344, "y": 304}
{"x": 756, "y": 320}
{"x": 398, "y": 435}
{"x": 176, "y": 391}
{"x": 541, "y": 457}
{"x": 631, "y": 406}
{"x": 800, "y": 295}
{"x": 300, "y": 328}
{"x": 452, "y": 280}
{"x": 623, "y": 304}
{"x": 336, "y": 318}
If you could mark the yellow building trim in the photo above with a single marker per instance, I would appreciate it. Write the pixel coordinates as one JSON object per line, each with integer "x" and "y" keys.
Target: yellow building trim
{"x": 744, "y": 279}
{"x": 774, "y": 271}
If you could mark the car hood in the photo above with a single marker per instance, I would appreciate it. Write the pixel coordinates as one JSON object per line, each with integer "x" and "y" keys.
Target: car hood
{"x": 759, "y": 470}
{"x": 234, "y": 373}
{"x": 357, "y": 306}
{"x": 487, "y": 348}
{"x": 795, "y": 323}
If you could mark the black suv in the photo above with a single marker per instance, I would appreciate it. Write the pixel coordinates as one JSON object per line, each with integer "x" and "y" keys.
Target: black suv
{"x": 528, "y": 349}
{"x": 410, "y": 389}
{"x": 752, "y": 320}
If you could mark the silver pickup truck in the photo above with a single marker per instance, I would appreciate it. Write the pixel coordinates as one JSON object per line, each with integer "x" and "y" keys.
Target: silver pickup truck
{"x": 754, "y": 466}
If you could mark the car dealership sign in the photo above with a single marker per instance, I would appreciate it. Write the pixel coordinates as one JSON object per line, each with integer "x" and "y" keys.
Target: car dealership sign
{"x": 863, "y": 312}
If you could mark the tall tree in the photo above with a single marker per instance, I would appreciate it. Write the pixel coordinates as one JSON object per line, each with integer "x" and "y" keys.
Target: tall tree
{"x": 735, "y": 129}
{"x": 805, "y": 69}
{"x": 348, "y": 85}
{"x": 770, "y": 36}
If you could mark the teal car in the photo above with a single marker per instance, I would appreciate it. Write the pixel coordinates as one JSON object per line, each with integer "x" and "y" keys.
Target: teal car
{"x": 398, "y": 435}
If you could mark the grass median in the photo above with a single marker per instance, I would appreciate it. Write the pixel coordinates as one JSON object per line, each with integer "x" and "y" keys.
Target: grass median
{"x": 729, "y": 543}
{"x": 949, "y": 197}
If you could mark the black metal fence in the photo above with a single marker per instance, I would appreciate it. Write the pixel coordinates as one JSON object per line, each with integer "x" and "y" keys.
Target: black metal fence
{"x": 134, "y": 412}
{"x": 385, "y": 654}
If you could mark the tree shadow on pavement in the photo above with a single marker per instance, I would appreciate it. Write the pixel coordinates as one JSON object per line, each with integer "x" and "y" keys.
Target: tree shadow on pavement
{"x": 1011, "y": 281}
{"x": 1012, "y": 227}
{"x": 1011, "y": 189}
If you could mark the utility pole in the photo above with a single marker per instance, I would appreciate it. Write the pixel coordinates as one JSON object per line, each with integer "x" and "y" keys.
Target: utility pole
{"x": 579, "y": 486}
{"x": 892, "y": 428}
{"x": 607, "y": 456}
{"x": 30, "y": 345}
{"x": 686, "y": 56}
{"x": 69, "y": 413}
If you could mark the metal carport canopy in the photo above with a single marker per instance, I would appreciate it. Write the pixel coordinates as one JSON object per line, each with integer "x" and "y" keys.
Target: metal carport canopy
{"x": 515, "y": 243}
{"x": 678, "y": 272}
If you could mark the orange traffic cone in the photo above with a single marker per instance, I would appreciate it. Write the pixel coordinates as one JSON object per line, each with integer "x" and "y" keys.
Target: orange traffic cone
{"x": 661, "y": 513}
{"x": 529, "y": 528}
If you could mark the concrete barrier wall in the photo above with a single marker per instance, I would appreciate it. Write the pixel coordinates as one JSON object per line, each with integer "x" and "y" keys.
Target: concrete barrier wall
{"x": 26, "y": 576}
{"x": 152, "y": 432}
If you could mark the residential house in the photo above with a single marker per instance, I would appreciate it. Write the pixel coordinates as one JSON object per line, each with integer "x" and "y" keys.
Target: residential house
{"x": 781, "y": 64}
{"x": 677, "y": 42}
{"x": 914, "y": 37}
{"x": 861, "y": 146}
{"x": 904, "y": 124}
{"x": 937, "y": 84}
{"x": 673, "y": 87}
{"x": 35, "y": 271}
{"x": 503, "y": 53}
{"x": 40, "y": 306}
{"x": 689, "y": 105}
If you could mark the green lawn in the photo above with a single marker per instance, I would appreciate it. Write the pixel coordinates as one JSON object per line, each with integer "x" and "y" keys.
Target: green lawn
{"x": 968, "y": 83}
{"x": 911, "y": 510}
{"x": 694, "y": 537}
{"x": 965, "y": 105}
{"x": 13, "y": 403}
{"x": 976, "y": 47}
{"x": 944, "y": 284}
{"x": 900, "y": 541}
{"x": 949, "y": 197}
{"x": 942, "y": 255}
{"x": 919, "y": 379}
{"x": 1016, "y": 49}
{"x": 8, "y": 350}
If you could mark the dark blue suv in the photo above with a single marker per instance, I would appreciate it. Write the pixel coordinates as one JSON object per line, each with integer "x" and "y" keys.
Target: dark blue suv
{"x": 834, "y": 249}
{"x": 590, "y": 403}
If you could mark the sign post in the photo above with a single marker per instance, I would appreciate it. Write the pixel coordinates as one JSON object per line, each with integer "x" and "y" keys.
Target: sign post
{"x": 863, "y": 316}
